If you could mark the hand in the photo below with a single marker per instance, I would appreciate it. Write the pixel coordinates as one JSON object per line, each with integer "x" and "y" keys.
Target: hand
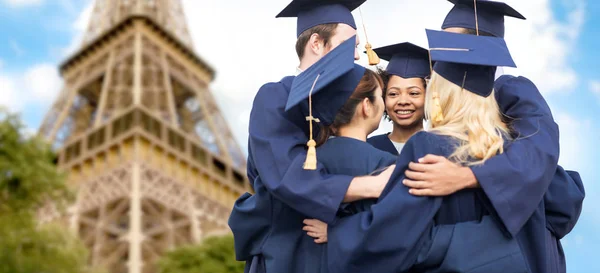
{"x": 316, "y": 229}
{"x": 437, "y": 176}
{"x": 365, "y": 187}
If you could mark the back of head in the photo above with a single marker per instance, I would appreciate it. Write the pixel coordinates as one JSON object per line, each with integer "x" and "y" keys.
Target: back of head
{"x": 346, "y": 115}
{"x": 460, "y": 100}
{"x": 319, "y": 17}
{"x": 473, "y": 120}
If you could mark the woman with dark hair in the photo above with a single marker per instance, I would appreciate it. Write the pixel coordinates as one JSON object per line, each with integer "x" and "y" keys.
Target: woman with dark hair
{"x": 404, "y": 94}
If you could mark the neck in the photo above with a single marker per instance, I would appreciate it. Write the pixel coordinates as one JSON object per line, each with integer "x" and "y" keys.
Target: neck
{"x": 402, "y": 134}
{"x": 306, "y": 62}
{"x": 353, "y": 132}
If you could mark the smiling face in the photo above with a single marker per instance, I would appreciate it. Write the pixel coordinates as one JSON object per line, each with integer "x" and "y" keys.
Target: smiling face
{"x": 405, "y": 101}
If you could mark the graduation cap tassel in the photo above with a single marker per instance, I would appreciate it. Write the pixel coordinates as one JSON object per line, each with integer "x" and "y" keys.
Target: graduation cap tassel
{"x": 371, "y": 55}
{"x": 311, "y": 156}
{"x": 476, "y": 19}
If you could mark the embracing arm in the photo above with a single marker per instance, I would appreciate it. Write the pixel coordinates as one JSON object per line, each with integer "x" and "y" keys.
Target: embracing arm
{"x": 564, "y": 201}
{"x": 398, "y": 233}
{"x": 516, "y": 180}
{"x": 278, "y": 153}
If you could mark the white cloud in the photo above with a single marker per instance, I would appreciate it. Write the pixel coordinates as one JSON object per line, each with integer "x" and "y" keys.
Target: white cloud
{"x": 262, "y": 50}
{"x": 541, "y": 45}
{"x": 36, "y": 87}
{"x": 9, "y": 93}
{"x": 575, "y": 149}
{"x": 42, "y": 82}
{"x": 23, "y": 3}
{"x": 594, "y": 86}
{"x": 78, "y": 27}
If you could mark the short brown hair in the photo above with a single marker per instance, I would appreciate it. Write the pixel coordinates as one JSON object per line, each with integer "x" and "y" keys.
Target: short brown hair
{"x": 325, "y": 32}
{"x": 365, "y": 89}
{"x": 471, "y": 31}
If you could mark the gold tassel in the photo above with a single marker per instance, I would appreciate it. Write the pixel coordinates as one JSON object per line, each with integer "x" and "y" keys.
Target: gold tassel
{"x": 311, "y": 156}
{"x": 438, "y": 116}
{"x": 371, "y": 55}
{"x": 373, "y": 58}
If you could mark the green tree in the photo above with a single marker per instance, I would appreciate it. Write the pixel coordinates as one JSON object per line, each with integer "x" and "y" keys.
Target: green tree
{"x": 213, "y": 255}
{"x": 28, "y": 176}
{"x": 28, "y": 180}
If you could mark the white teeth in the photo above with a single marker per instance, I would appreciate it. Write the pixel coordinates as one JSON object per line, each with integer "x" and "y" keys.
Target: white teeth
{"x": 404, "y": 112}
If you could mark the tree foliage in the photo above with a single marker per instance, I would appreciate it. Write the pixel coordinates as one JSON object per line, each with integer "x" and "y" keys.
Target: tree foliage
{"x": 28, "y": 176}
{"x": 214, "y": 255}
{"x": 28, "y": 180}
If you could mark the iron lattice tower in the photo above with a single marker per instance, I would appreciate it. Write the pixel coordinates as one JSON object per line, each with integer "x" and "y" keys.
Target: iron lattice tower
{"x": 144, "y": 143}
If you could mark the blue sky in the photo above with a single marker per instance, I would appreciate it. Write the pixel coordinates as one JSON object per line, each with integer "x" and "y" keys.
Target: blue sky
{"x": 556, "y": 47}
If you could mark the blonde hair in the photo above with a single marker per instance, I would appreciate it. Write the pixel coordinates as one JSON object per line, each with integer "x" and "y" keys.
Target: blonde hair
{"x": 473, "y": 120}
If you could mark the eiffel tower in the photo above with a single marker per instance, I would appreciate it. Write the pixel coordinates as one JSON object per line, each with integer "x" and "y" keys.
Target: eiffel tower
{"x": 141, "y": 138}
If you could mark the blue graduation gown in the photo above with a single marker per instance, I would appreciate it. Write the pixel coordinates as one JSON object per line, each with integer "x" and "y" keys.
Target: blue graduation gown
{"x": 517, "y": 180}
{"x": 383, "y": 142}
{"x": 348, "y": 156}
{"x": 286, "y": 193}
{"x": 524, "y": 167}
{"x": 398, "y": 234}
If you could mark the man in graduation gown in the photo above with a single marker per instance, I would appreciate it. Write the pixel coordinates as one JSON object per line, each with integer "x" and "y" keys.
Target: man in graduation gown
{"x": 518, "y": 181}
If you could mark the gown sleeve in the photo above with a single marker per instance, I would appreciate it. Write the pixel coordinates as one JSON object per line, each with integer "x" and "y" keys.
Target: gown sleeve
{"x": 278, "y": 152}
{"x": 398, "y": 233}
{"x": 563, "y": 202}
{"x": 515, "y": 181}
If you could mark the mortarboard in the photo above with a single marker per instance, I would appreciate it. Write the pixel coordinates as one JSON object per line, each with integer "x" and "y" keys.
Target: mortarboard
{"x": 468, "y": 61}
{"x": 330, "y": 81}
{"x": 330, "y": 70}
{"x": 489, "y": 15}
{"x": 311, "y": 13}
{"x": 406, "y": 60}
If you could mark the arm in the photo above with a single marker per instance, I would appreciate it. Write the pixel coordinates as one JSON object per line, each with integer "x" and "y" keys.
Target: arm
{"x": 514, "y": 181}
{"x": 564, "y": 201}
{"x": 278, "y": 153}
{"x": 385, "y": 238}
{"x": 398, "y": 232}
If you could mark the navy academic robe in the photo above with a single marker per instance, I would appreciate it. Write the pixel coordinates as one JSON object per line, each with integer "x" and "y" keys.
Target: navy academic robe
{"x": 516, "y": 180}
{"x": 348, "y": 156}
{"x": 398, "y": 234}
{"x": 268, "y": 223}
{"x": 383, "y": 142}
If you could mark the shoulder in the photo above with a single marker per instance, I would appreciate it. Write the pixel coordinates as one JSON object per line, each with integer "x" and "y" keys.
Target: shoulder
{"x": 378, "y": 138}
{"x": 519, "y": 97}
{"x": 428, "y": 142}
{"x": 272, "y": 90}
{"x": 510, "y": 82}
